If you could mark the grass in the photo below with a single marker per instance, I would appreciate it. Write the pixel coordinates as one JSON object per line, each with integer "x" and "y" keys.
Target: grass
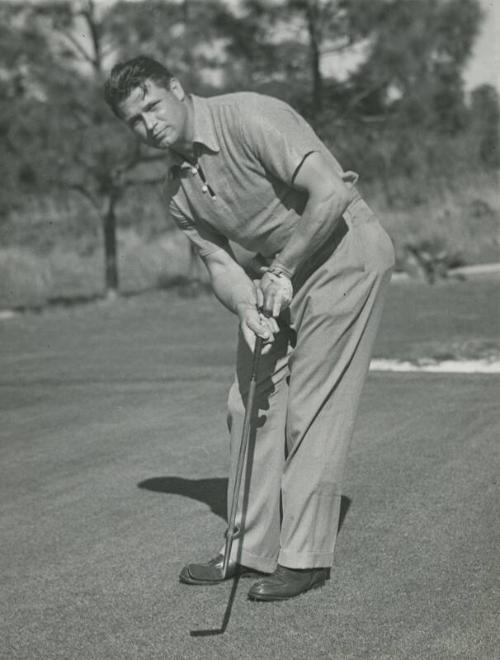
{"x": 113, "y": 451}
{"x": 451, "y": 320}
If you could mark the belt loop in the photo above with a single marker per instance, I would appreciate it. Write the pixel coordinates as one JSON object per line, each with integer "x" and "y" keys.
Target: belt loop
{"x": 358, "y": 210}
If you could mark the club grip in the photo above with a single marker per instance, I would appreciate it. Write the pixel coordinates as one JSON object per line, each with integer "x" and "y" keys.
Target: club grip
{"x": 257, "y": 351}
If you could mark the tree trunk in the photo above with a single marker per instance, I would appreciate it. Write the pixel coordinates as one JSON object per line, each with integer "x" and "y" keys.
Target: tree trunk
{"x": 110, "y": 250}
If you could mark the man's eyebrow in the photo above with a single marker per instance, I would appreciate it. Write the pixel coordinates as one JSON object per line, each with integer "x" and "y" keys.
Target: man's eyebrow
{"x": 146, "y": 106}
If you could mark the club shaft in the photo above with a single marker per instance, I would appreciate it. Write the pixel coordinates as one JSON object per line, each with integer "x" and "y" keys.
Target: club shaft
{"x": 242, "y": 453}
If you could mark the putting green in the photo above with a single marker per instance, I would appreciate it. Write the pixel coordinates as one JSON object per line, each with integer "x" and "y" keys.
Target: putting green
{"x": 112, "y": 475}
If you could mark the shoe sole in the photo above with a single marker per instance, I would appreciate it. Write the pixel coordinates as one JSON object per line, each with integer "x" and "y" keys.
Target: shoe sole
{"x": 270, "y": 598}
{"x": 188, "y": 579}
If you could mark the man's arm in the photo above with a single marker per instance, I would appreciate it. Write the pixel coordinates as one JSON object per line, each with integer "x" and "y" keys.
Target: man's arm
{"x": 327, "y": 198}
{"x": 236, "y": 291}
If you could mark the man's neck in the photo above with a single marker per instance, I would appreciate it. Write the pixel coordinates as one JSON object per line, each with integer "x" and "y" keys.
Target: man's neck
{"x": 187, "y": 149}
{"x": 187, "y": 152}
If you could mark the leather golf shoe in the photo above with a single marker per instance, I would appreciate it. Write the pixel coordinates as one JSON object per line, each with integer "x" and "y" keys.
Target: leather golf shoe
{"x": 287, "y": 583}
{"x": 211, "y": 572}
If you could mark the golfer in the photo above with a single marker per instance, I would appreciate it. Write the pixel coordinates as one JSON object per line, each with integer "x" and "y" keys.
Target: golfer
{"x": 246, "y": 169}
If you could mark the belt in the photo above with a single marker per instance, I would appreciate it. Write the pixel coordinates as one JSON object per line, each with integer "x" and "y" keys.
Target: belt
{"x": 357, "y": 211}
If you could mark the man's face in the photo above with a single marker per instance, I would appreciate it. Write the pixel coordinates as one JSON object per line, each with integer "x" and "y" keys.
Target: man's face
{"x": 158, "y": 116}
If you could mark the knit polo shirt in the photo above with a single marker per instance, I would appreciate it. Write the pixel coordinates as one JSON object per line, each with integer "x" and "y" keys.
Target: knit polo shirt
{"x": 249, "y": 148}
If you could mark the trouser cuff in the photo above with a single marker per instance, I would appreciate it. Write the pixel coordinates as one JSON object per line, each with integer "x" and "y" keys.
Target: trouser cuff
{"x": 250, "y": 560}
{"x": 292, "y": 559}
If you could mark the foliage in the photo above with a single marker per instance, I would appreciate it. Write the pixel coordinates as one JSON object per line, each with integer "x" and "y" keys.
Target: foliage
{"x": 416, "y": 56}
{"x": 188, "y": 36}
{"x": 273, "y": 43}
{"x": 401, "y": 119}
{"x": 485, "y": 123}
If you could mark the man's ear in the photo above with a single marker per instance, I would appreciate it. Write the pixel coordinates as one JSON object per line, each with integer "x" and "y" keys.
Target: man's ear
{"x": 177, "y": 89}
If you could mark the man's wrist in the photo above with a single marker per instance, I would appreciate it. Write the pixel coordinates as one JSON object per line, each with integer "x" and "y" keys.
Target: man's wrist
{"x": 242, "y": 307}
{"x": 280, "y": 270}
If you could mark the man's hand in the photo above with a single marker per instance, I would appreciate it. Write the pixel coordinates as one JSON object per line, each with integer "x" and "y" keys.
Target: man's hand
{"x": 254, "y": 323}
{"x": 274, "y": 293}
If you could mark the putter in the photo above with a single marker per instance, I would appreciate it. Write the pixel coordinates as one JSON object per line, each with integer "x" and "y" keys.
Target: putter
{"x": 232, "y": 531}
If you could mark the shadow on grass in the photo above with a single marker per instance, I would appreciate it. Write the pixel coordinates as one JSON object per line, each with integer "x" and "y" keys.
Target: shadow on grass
{"x": 211, "y": 492}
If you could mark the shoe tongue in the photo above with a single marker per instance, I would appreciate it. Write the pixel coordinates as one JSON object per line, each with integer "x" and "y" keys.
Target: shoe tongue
{"x": 283, "y": 570}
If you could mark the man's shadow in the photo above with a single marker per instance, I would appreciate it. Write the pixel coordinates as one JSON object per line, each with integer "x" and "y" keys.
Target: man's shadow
{"x": 211, "y": 492}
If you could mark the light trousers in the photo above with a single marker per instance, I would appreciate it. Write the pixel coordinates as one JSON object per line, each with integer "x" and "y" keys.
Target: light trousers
{"x": 308, "y": 391}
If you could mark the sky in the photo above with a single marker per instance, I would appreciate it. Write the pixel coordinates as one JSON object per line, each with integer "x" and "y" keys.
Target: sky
{"x": 484, "y": 65}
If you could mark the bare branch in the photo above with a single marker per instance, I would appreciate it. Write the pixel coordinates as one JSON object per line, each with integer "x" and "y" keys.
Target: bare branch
{"x": 347, "y": 43}
{"x": 108, "y": 49}
{"x": 152, "y": 158}
{"x": 78, "y": 187}
{"x": 11, "y": 144}
{"x": 78, "y": 47}
{"x": 143, "y": 182}
{"x": 89, "y": 15}
{"x": 365, "y": 119}
{"x": 81, "y": 161}
{"x": 362, "y": 95}
{"x": 136, "y": 159}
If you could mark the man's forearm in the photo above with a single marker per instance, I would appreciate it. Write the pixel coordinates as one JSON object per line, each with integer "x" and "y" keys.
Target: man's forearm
{"x": 232, "y": 286}
{"x": 318, "y": 220}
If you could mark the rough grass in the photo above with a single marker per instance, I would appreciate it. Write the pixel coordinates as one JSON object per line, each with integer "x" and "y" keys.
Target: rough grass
{"x": 31, "y": 279}
{"x": 461, "y": 217}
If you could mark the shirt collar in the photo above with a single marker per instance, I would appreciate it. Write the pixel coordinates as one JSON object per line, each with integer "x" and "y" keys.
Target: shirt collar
{"x": 203, "y": 132}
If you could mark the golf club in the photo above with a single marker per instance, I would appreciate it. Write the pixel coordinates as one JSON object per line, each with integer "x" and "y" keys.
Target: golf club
{"x": 232, "y": 531}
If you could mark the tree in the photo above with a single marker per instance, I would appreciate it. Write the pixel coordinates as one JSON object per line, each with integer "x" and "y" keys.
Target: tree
{"x": 94, "y": 156}
{"x": 485, "y": 123}
{"x": 282, "y": 45}
{"x": 82, "y": 146}
{"x": 417, "y": 52}
{"x": 22, "y": 76}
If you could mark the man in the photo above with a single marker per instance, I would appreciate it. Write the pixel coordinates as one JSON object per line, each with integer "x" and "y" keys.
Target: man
{"x": 247, "y": 168}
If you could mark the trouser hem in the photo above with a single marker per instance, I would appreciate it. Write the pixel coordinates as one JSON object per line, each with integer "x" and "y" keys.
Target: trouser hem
{"x": 250, "y": 560}
{"x": 305, "y": 559}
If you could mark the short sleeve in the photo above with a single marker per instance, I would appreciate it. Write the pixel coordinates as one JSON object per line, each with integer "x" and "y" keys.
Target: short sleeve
{"x": 279, "y": 138}
{"x": 201, "y": 234}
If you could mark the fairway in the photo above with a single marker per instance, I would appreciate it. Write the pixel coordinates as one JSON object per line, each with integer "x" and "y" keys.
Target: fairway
{"x": 112, "y": 476}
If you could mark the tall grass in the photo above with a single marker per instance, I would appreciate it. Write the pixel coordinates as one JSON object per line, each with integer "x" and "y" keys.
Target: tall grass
{"x": 460, "y": 216}
{"x": 52, "y": 247}
{"x": 32, "y": 279}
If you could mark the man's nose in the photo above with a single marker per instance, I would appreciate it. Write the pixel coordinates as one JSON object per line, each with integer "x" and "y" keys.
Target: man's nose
{"x": 149, "y": 122}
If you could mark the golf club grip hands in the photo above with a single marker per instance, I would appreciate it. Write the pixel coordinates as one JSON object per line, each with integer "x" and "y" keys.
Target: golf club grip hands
{"x": 255, "y": 323}
{"x": 274, "y": 291}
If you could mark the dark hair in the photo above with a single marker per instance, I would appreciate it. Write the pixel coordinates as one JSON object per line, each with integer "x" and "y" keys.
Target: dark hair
{"x": 127, "y": 76}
